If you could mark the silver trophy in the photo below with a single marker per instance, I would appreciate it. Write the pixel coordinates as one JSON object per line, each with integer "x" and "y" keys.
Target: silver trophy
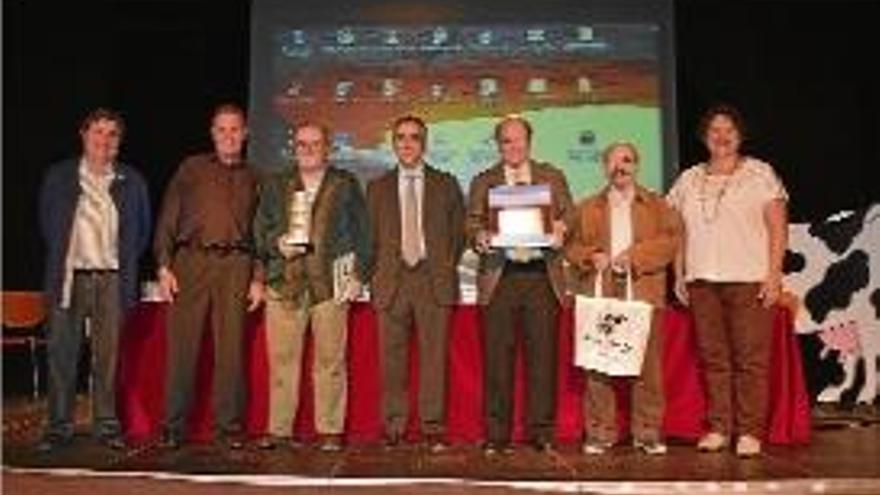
{"x": 297, "y": 238}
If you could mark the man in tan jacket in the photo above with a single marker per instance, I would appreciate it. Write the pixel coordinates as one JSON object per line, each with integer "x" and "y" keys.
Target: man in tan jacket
{"x": 626, "y": 227}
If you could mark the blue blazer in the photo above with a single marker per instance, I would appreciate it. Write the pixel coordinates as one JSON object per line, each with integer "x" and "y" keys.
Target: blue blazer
{"x": 58, "y": 199}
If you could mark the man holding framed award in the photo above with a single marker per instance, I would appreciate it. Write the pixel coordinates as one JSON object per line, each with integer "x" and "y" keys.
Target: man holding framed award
{"x": 311, "y": 232}
{"x": 516, "y": 222}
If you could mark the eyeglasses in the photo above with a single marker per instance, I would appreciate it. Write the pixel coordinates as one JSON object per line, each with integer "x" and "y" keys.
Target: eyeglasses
{"x": 309, "y": 144}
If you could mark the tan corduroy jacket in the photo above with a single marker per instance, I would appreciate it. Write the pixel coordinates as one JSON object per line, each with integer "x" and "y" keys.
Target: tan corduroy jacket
{"x": 657, "y": 230}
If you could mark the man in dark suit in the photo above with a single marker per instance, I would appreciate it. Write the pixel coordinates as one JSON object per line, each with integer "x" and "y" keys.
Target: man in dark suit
{"x": 417, "y": 220}
{"x": 522, "y": 283}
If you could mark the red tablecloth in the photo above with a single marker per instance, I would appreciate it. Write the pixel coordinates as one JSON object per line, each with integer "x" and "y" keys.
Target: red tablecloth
{"x": 142, "y": 377}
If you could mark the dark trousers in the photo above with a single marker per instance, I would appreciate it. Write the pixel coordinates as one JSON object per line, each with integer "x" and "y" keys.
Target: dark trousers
{"x": 211, "y": 284}
{"x": 600, "y": 400}
{"x": 527, "y": 298}
{"x": 94, "y": 298}
{"x": 734, "y": 335}
{"x": 414, "y": 303}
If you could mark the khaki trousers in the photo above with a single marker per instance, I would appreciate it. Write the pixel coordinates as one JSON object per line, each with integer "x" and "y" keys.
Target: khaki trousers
{"x": 734, "y": 335}
{"x": 286, "y": 325}
{"x": 648, "y": 402}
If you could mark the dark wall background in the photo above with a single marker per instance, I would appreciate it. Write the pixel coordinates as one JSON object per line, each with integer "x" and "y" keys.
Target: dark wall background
{"x": 801, "y": 72}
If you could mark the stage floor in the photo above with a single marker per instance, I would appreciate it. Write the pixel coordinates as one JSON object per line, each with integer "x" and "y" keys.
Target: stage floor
{"x": 842, "y": 459}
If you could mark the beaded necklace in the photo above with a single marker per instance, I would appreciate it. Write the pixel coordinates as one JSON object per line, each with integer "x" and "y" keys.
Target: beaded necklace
{"x": 705, "y": 196}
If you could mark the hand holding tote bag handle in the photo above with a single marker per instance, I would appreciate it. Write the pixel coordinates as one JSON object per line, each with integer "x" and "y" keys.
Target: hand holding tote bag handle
{"x": 611, "y": 334}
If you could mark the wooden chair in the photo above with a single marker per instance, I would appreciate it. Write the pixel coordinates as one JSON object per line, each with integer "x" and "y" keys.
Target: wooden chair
{"x": 24, "y": 313}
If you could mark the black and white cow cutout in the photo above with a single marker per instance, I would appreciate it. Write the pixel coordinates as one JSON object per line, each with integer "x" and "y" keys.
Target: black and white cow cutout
{"x": 833, "y": 269}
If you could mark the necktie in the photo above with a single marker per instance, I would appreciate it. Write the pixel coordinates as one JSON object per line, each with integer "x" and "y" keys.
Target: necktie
{"x": 411, "y": 242}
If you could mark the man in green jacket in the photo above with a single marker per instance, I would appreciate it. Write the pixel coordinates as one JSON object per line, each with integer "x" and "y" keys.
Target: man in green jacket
{"x": 310, "y": 230}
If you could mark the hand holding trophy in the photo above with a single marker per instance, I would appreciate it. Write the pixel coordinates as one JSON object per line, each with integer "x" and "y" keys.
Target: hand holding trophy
{"x": 296, "y": 242}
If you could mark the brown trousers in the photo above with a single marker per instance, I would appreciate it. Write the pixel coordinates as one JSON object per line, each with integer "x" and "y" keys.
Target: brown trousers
{"x": 211, "y": 284}
{"x": 525, "y": 298}
{"x": 414, "y": 303}
{"x": 734, "y": 336}
{"x": 648, "y": 402}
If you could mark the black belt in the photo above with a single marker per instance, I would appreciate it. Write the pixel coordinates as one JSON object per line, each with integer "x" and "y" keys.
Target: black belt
{"x": 95, "y": 271}
{"x": 217, "y": 248}
{"x": 533, "y": 266}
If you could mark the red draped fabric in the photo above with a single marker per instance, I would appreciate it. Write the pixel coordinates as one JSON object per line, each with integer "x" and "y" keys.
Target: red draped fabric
{"x": 142, "y": 377}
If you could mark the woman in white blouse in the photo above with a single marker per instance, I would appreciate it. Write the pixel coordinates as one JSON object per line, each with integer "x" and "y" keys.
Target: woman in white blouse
{"x": 730, "y": 273}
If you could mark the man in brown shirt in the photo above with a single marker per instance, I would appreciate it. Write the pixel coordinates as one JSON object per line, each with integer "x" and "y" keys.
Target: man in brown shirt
{"x": 203, "y": 251}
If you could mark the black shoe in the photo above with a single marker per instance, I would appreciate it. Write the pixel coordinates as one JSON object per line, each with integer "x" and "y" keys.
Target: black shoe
{"x": 268, "y": 442}
{"x": 542, "y": 446}
{"x": 392, "y": 441}
{"x": 115, "y": 442}
{"x": 51, "y": 442}
{"x": 434, "y": 444}
{"x": 437, "y": 446}
{"x": 170, "y": 441}
{"x": 232, "y": 442}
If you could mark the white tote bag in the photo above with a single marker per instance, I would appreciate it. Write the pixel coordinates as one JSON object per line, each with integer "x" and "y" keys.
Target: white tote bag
{"x": 611, "y": 334}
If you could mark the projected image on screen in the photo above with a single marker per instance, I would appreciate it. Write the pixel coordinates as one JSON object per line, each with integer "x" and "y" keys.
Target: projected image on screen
{"x": 582, "y": 86}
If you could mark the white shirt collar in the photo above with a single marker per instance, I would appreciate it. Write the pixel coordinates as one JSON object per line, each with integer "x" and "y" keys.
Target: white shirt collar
{"x": 618, "y": 197}
{"x": 85, "y": 171}
{"x": 520, "y": 174}
{"x": 417, "y": 172}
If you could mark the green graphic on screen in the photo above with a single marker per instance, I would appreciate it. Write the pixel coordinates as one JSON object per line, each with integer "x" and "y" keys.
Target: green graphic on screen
{"x": 582, "y": 86}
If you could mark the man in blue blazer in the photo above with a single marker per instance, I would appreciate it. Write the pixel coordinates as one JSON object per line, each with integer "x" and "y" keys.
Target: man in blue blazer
{"x": 95, "y": 219}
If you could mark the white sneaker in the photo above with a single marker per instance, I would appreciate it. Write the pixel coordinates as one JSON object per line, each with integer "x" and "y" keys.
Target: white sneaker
{"x": 748, "y": 446}
{"x": 595, "y": 447}
{"x": 712, "y": 442}
{"x": 650, "y": 447}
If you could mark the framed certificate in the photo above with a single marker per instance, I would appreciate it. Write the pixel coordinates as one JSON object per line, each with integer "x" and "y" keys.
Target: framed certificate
{"x": 519, "y": 216}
